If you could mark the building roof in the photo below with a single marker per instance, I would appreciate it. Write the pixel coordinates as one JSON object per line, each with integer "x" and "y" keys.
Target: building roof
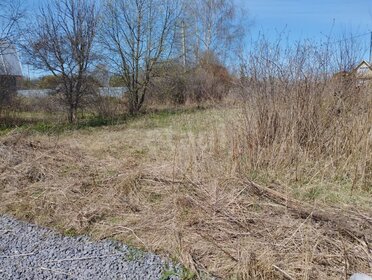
{"x": 9, "y": 60}
{"x": 364, "y": 63}
{"x": 363, "y": 70}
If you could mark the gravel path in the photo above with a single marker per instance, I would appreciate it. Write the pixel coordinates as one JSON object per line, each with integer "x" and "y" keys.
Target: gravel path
{"x": 31, "y": 252}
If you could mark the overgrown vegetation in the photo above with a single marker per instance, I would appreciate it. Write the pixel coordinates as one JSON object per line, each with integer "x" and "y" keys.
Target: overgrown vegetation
{"x": 265, "y": 174}
{"x": 178, "y": 184}
{"x": 303, "y": 124}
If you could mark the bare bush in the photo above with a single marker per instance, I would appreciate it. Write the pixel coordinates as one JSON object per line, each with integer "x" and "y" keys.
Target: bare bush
{"x": 61, "y": 42}
{"x": 169, "y": 84}
{"x": 107, "y": 106}
{"x": 40, "y": 104}
{"x": 210, "y": 80}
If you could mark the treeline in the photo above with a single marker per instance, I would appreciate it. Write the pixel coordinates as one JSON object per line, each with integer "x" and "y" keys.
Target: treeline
{"x": 159, "y": 52}
{"x": 172, "y": 51}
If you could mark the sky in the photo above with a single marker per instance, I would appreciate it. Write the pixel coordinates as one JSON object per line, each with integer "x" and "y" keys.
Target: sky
{"x": 301, "y": 18}
{"x": 310, "y": 19}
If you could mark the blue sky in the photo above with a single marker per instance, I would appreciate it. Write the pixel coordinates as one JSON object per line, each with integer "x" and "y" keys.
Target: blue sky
{"x": 310, "y": 18}
{"x": 302, "y": 18}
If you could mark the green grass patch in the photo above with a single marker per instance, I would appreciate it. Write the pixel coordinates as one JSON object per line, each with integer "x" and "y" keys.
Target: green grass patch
{"x": 48, "y": 124}
{"x": 183, "y": 274}
{"x": 134, "y": 254}
{"x": 70, "y": 232}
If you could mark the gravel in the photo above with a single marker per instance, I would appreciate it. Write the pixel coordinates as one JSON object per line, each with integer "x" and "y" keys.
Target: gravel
{"x": 30, "y": 252}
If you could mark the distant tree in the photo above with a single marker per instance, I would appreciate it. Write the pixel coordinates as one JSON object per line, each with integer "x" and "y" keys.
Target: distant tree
{"x": 117, "y": 81}
{"x": 210, "y": 80}
{"x": 210, "y": 35}
{"x": 48, "y": 82}
{"x": 213, "y": 26}
{"x": 29, "y": 83}
{"x": 137, "y": 34}
{"x": 61, "y": 42}
{"x": 169, "y": 83}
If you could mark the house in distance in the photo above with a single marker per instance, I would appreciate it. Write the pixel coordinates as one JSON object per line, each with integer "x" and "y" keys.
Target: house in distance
{"x": 361, "y": 74}
{"x": 10, "y": 68}
{"x": 363, "y": 71}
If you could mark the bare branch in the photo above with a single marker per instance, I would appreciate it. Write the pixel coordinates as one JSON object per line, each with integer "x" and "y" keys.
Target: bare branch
{"x": 62, "y": 42}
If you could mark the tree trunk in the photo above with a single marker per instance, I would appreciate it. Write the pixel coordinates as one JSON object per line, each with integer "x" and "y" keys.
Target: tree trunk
{"x": 72, "y": 114}
{"x": 132, "y": 107}
{"x": 135, "y": 103}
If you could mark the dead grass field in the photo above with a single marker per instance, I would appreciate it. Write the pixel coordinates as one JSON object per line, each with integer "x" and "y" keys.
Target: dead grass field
{"x": 173, "y": 184}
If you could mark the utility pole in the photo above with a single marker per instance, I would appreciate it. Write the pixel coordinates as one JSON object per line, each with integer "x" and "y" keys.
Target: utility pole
{"x": 183, "y": 45}
{"x": 370, "y": 50}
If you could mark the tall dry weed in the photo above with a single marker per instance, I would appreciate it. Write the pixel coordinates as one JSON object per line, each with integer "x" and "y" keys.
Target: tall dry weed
{"x": 302, "y": 120}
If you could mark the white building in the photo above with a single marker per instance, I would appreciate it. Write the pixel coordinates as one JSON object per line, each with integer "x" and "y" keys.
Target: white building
{"x": 363, "y": 71}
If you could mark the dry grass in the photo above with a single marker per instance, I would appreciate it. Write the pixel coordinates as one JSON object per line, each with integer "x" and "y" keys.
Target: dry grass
{"x": 317, "y": 140}
{"x": 180, "y": 186}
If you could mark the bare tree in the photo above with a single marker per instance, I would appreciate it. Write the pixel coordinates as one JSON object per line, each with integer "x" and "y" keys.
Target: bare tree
{"x": 137, "y": 35}
{"x": 62, "y": 42}
{"x": 214, "y": 26}
{"x": 11, "y": 12}
{"x": 347, "y": 52}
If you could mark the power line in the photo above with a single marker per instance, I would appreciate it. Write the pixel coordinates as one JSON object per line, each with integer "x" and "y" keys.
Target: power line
{"x": 349, "y": 39}
{"x": 370, "y": 49}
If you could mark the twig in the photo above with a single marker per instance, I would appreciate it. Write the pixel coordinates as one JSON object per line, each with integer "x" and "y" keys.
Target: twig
{"x": 135, "y": 235}
{"x": 285, "y": 242}
{"x": 236, "y": 196}
{"x": 285, "y": 274}
{"x": 304, "y": 210}
{"x": 161, "y": 180}
{"x": 211, "y": 240}
{"x": 369, "y": 219}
